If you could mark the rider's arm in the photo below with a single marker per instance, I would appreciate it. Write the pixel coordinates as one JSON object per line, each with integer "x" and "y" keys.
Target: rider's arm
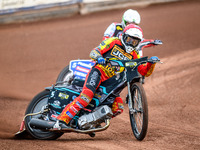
{"x": 146, "y": 69}
{"x": 95, "y": 54}
{"x": 146, "y": 43}
{"x": 105, "y": 46}
{"x": 110, "y": 31}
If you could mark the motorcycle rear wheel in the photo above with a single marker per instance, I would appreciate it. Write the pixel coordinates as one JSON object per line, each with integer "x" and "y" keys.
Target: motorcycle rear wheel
{"x": 64, "y": 74}
{"x": 139, "y": 119}
{"x": 39, "y": 101}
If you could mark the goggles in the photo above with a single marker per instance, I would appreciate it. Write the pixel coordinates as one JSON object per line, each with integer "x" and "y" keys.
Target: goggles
{"x": 127, "y": 23}
{"x": 131, "y": 41}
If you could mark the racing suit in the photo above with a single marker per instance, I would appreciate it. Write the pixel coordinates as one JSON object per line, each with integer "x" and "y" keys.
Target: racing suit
{"x": 116, "y": 29}
{"x": 111, "y": 48}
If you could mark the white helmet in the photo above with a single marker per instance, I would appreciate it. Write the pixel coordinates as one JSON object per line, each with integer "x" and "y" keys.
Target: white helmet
{"x": 131, "y": 37}
{"x": 130, "y": 16}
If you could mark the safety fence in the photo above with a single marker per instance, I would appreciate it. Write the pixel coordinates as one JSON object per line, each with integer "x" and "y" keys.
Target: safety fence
{"x": 12, "y": 6}
{"x": 12, "y": 11}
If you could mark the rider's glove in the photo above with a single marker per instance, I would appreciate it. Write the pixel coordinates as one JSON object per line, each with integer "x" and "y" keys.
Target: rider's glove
{"x": 154, "y": 59}
{"x": 157, "y": 42}
{"x": 101, "y": 61}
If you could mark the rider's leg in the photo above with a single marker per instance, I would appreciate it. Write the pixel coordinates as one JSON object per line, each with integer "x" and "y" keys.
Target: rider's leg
{"x": 77, "y": 104}
{"x": 92, "y": 82}
{"x": 117, "y": 106}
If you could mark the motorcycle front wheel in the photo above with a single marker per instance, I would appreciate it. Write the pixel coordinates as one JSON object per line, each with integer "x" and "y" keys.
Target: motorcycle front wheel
{"x": 36, "y": 105}
{"x": 139, "y": 115}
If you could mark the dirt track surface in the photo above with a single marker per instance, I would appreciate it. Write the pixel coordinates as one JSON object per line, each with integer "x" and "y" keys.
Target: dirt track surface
{"x": 32, "y": 55}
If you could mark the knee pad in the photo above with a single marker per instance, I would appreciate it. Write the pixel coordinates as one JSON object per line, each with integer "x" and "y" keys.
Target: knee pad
{"x": 86, "y": 96}
{"x": 93, "y": 80}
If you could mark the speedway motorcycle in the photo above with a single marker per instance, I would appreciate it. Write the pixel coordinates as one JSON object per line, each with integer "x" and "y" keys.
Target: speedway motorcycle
{"x": 39, "y": 119}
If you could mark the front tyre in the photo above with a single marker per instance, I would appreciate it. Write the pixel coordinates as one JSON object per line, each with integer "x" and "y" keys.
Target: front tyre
{"x": 35, "y": 106}
{"x": 139, "y": 115}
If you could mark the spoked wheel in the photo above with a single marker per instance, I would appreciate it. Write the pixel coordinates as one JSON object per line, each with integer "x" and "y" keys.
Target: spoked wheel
{"x": 36, "y": 105}
{"x": 139, "y": 115}
{"x": 64, "y": 75}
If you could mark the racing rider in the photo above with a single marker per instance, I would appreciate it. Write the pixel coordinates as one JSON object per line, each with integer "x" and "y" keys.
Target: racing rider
{"x": 115, "y": 29}
{"x": 123, "y": 49}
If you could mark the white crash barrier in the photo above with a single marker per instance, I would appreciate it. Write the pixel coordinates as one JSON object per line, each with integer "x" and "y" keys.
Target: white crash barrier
{"x": 11, "y": 6}
{"x": 34, "y": 10}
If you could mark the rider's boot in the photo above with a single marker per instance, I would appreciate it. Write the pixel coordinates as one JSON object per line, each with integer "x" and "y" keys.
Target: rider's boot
{"x": 59, "y": 124}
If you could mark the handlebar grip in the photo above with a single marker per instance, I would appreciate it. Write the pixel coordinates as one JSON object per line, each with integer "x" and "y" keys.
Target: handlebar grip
{"x": 157, "y": 42}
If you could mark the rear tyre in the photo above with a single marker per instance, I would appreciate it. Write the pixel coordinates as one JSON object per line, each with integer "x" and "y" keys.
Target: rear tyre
{"x": 64, "y": 75}
{"x": 139, "y": 118}
{"x": 92, "y": 134}
{"x": 35, "y": 106}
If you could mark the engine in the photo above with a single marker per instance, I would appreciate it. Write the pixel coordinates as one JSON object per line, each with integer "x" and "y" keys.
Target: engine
{"x": 95, "y": 118}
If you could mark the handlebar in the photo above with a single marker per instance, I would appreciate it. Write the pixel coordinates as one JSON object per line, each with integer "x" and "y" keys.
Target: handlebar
{"x": 130, "y": 63}
{"x": 135, "y": 62}
{"x": 155, "y": 61}
{"x": 127, "y": 63}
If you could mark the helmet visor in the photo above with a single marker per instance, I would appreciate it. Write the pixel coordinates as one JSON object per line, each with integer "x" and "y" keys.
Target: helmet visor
{"x": 127, "y": 22}
{"x": 131, "y": 41}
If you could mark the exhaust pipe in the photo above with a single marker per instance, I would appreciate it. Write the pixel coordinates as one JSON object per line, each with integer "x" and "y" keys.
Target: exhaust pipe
{"x": 41, "y": 124}
{"x": 49, "y": 125}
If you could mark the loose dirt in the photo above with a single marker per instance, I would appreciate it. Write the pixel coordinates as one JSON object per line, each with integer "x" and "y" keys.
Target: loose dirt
{"x": 33, "y": 54}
